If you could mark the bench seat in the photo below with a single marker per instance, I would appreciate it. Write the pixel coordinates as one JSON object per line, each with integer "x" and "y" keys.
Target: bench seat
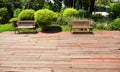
{"x": 25, "y": 24}
{"x": 81, "y": 24}
{"x": 81, "y": 27}
{"x": 25, "y": 27}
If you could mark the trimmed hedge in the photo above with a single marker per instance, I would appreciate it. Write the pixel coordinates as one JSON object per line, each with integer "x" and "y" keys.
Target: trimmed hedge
{"x": 44, "y": 17}
{"x": 70, "y": 12}
{"x": 27, "y": 14}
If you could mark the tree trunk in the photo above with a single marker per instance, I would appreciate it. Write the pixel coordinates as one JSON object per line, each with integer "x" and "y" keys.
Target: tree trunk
{"x": 92, "y": 3}
{"x": 79, "y": 4}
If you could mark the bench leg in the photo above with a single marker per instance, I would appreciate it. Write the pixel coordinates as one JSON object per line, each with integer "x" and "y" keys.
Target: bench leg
{"x": 35, "y": 29}
{"x": 90, "y": 29}
{"x": 84, "y": 29}
{"x": 16, "y": 29}
{"x": 70, "y": 29}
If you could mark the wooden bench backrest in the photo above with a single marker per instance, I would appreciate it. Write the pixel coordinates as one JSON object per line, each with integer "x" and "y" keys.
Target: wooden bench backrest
{"x": 80, "y": 22}
{"x": 26, "y": 23}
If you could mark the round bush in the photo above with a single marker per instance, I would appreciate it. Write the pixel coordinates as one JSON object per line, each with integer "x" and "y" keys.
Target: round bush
{"x": 116, "y": 24}
{"x": 27, "y": 14}
{"x": 82, "y": 13}
{"x": 44, "y": 17}
{"x": 70, "y": 12}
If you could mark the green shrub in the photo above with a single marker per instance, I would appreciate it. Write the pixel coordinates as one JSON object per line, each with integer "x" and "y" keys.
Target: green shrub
{"x": 97, "y": 17}
{"x": 12, "y": 20}
{"x": 3, "y": 11}
{"x": 115, "y": 8}
{"x": 0, "y": 19}
{"x": 16, "y": 12}
{"x": 82, "y": 13}
{"x": 44, "y": 17}
{"x": 70, "y": 12}
{"x": 62, "y": 20}
{"x": 3, "y": 15}
{"x": 115, "y": 25}
{"x": 103, "y": 26}
{"x": 27, "y": 14}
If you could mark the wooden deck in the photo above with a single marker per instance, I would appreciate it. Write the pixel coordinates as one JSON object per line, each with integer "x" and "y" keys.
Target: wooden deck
{"x": 60, "y": 52}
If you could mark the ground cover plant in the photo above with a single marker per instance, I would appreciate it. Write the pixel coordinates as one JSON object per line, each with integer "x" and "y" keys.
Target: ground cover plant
{"x": 115, "y": 25}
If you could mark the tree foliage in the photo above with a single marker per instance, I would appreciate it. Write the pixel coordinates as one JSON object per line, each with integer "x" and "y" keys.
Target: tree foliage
{"x": 32, "y": 4}
{"x": 115, "y": 8}
{"x": 9, "y": 6}
{"x": 3, "y": 12}
{"x": 103, "y": 2}
{"x": 15, "y": 6}
{"x": 58, "y": 5}
{"x": 81, "y": 4}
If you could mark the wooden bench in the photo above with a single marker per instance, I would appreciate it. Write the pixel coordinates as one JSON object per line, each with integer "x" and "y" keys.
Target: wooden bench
{"x": 81, "y": 24}
{"x": 25, "y": 24}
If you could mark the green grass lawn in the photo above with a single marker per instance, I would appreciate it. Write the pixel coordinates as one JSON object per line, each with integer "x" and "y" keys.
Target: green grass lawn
{"x": 6, "y": 27}
{"x": 65, "y": 27}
